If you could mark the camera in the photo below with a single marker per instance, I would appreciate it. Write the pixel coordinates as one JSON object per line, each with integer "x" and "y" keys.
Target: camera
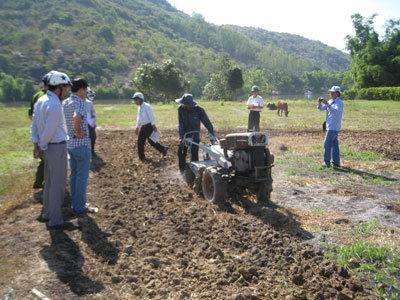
{"x": 320, "y": 99}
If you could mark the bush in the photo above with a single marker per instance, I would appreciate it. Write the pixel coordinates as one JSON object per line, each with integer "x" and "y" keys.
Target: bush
{"x": 374, "y": 93}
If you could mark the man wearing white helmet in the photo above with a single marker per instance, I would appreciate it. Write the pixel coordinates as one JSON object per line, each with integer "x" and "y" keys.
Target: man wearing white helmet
{"x": 255, "y": 104}
{"x": 39, "y": 176}
{"x": 145, "y": 126}
{"x": 334, "y": 113}
{"x": 49, "y": 135}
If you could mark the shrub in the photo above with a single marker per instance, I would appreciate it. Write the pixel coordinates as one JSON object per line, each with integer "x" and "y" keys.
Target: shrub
{"x": 374, "y": 93}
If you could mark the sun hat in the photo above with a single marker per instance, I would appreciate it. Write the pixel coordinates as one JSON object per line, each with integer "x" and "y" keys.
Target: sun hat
{"x": 187, "y": 100}
{"x": 335, "y": 88}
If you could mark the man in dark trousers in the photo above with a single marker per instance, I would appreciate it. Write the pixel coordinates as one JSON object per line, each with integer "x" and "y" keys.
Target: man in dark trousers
{"x": 39, "y": 176}
{"x": 145, "y": 126}
{"x": 189, "y": 115}
{"x": 255, "y": 104}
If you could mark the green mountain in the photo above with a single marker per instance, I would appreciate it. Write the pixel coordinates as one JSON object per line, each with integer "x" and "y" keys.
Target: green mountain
{"x": 106, "y": 40}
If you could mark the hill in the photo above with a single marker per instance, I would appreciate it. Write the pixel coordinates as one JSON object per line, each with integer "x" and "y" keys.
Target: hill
{"x": 106, "y": 40}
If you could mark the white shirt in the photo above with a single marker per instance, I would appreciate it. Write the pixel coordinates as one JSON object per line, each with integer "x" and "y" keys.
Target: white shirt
{"x": 257, "y": 101}
{"x": 145, "y": 115}
{"x": 48, "y": 124}
{"x": 90, "y": 108}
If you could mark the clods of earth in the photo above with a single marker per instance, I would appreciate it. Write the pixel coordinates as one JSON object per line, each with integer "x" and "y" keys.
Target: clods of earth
{"x": 155, "y": 238}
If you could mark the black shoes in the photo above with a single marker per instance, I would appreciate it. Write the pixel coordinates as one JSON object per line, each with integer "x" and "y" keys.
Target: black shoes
{"x": 164, "y": 153}
{"x": 65, "y": 225}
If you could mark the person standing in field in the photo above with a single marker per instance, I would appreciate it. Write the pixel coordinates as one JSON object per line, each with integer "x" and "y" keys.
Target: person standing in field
{"x": 49, "y": 136}
{"x": 189, "y": 116}
{"x": 145, "y": 126}
{"x": 91, "y": 115}
{"x": 334, "y": 113}
{"x": 255, "y": 104}
{"x": 39, "y": 176}
{"x": 78, "y": 145}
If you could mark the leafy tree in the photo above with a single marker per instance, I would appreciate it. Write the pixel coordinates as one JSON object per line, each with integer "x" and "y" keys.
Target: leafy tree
{"x": 224, "y": 84}
{"x": 160, "y": 82}
{"x": 235, "y": 79}
{"x": 46, "y": 45}
{"x": 107, "y": 34}
{"x": 28, "y": 90}
{"x": 9, "y": 88}
{"x": 376, "y": 62}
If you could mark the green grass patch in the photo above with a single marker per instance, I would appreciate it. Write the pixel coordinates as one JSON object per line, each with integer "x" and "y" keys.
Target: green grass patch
{"x": 367, "y": 227}
{"x": 379, "y": 260}
{"x": 351, "y": 154}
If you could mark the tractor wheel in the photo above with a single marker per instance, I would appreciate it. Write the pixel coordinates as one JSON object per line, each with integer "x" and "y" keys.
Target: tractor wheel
{"x": 188, "y": 175}
{"x": 214, "y": 188}
{"x": 198, "y": 180}
{"x": 264, "y": 191}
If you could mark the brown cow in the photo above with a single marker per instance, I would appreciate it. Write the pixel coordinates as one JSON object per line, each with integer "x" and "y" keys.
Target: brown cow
{"x": 271, "y": 106}
{"x": 282, "y": 107}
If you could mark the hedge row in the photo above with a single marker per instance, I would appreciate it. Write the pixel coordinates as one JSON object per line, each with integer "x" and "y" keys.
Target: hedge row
{"x": 374, "y": 93}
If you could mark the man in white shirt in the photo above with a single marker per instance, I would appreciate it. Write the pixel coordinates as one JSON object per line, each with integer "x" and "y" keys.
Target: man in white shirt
{"x": 91, "y": 117}
{"x": 49, "y": 135}
{"x": 145, "y": 125}
{"x": 255, "y": 104}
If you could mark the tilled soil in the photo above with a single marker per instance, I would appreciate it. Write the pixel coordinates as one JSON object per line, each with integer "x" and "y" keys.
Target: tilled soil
{"x": 154, "y": 238}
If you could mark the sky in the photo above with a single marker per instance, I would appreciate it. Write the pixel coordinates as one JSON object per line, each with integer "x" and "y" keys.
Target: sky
{"x": 326, "y": 21}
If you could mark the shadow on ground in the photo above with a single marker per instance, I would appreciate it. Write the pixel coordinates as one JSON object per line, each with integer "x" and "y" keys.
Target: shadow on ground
{"x": 64, "y": 258}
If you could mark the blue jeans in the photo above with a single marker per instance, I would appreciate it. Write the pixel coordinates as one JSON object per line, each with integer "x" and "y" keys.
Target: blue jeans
{"x": 79, "y": 161}
{"x": 331, "y": 148}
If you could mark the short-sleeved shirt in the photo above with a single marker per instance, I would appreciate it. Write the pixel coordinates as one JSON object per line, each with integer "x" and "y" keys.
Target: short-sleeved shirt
{"x": 73, "y": 105}
{"x": 257, "y": 101}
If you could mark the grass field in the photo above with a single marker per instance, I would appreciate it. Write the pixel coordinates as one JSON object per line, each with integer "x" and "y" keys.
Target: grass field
{"x": 17, "y": 164}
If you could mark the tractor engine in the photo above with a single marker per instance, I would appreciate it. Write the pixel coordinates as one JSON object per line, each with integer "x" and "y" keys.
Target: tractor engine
{"x": 248, "y": 154}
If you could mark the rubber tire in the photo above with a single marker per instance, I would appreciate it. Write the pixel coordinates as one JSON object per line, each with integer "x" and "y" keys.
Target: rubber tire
{"x": 264, "y": 191}
{"x": 214, "y": 188}
{"x": 189, "y": 176}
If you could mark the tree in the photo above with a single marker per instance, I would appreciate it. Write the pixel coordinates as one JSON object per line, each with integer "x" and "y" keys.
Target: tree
{"x": 9, "y": 88}
{"x": 160, "y": 82}
{"x": 235, "y": 80}
{"x": 107, "y": 34}
{"x": 376, "y": 62}
{"x": 225, "y": 83}
{"x": 46, "y": 45}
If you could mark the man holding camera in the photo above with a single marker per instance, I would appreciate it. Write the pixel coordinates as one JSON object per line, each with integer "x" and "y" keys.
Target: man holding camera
{"x": 334, "y": 113}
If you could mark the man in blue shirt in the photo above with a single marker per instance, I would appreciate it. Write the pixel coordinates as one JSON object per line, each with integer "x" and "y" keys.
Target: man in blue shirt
{"x": 334, "y": 113}
{"x": 189, "y": 115}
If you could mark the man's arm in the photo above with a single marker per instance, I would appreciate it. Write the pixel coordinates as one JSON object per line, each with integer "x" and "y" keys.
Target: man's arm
{"x": 336, "y": 108}
{"x": 54, "y": 116}
{"x": 206, "y": 121}
{"x": 79, "y": 112}
{"x": 77, "y": 125}
{"x": 152, "y": 117}
{"x": 180, "y": 124}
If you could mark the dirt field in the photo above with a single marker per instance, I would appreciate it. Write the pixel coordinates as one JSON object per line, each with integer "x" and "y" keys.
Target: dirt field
{"x": 154, "y": 238}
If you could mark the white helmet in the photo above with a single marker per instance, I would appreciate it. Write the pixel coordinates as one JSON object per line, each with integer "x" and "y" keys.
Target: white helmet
{"x": 138, "y": 95}
{"x": 90, "y": 94}
{"x": 58, "y": 78}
